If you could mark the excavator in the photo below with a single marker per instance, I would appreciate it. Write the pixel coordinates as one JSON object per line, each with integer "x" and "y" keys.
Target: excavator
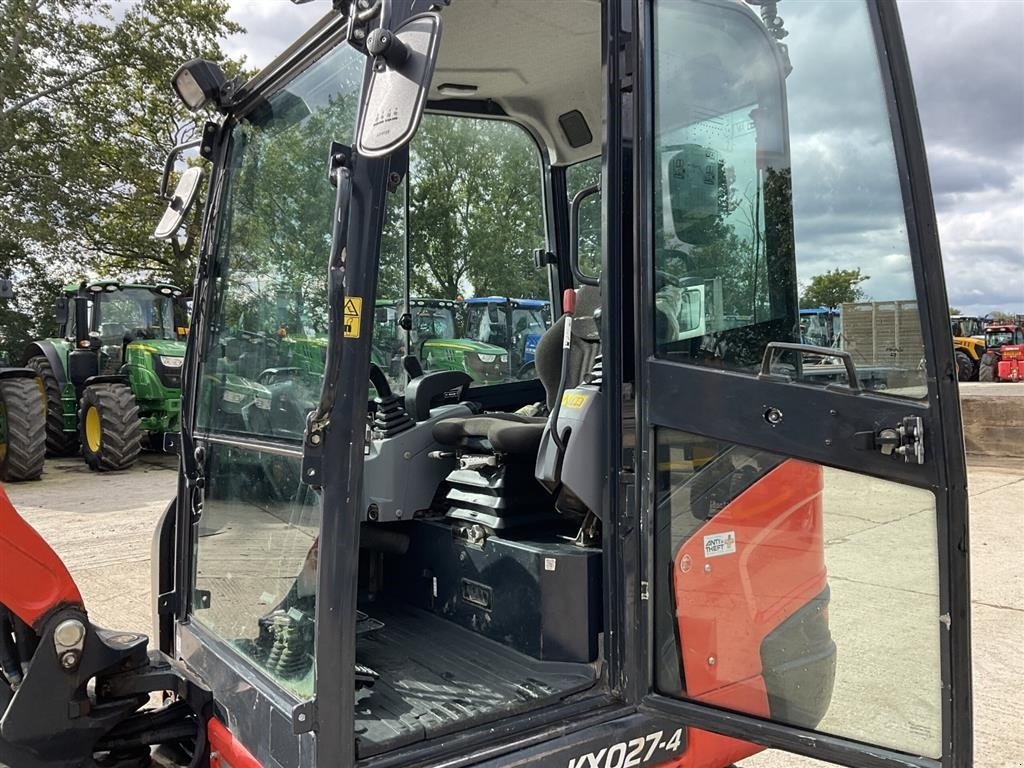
{"x": 672, "y": 546}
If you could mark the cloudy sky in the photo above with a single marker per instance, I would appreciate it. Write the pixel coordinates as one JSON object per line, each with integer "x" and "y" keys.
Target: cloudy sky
{"x": 968, "y": 63}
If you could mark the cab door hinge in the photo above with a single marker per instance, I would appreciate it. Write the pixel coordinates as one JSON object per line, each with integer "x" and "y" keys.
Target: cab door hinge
{"x": 304, "y": 717}
{"x": 906, "y": 440}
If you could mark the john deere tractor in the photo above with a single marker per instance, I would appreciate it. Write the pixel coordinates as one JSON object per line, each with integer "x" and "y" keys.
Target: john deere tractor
{"x": 113, "y": 375}
{"x": 434, "y": 339}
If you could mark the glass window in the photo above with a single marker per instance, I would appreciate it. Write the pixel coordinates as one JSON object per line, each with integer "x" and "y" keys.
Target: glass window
{"x": 797, "y": 592}
{"x": 138, "y": 312}
{"x": 588, "y": 235}
{"x": 776, "y": 190}
{"x": 475, "y": 214}
{"x": 264, "y": 364}
{"x": 255, "y": 576}
{"x": 255, "y": 546}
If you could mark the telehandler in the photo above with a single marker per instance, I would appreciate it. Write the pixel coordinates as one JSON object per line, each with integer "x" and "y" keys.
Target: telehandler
{"x": 670, "y": 548}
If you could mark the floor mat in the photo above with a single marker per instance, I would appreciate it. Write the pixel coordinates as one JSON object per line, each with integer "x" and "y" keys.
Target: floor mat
{"x": 436, "y": 677}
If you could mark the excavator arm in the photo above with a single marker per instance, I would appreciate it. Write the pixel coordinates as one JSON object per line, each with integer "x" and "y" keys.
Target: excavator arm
{"x": 72, "y": 693}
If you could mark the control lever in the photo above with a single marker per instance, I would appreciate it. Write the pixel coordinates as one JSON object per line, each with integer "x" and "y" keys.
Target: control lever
{"x": 412, "y": 366}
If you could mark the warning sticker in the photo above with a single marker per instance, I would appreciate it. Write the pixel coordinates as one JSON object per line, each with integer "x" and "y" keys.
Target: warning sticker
{"x": 574, "y": 400}
{"x": 718, "y": 544}
{"x": 353, "y": 311}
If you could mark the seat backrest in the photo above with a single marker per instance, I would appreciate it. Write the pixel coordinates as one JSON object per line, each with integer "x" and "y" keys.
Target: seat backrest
{"x": 584, "y": 346}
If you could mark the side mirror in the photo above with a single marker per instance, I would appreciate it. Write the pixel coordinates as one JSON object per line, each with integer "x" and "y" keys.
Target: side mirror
{"x": 691, "y": 313}
{"x": 181, "y": 202}
{"x": 60, "y": 310}
{"x": 583, "y": 278}
{"x": 403, "y": 65}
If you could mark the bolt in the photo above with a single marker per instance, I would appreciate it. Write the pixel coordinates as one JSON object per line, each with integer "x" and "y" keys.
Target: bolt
{"x": 828, "y": 442}
{"x": 69, "y": 633}
{"x": 707, "y": 567}
{"x": 69, "y": 660}
{"x": 302, "y": 718}
{"x": 314, "y": 438}
{"x": 833, "y": 412}
{"x": 711, "y": 661}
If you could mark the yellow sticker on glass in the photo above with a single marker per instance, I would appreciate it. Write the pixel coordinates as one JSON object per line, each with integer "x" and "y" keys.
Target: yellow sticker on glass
{"x": 353, "y": 311}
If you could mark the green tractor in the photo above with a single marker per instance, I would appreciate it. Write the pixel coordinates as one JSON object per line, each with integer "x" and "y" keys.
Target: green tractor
{"x": 433, "y": 338}
{"x": 112, "y": 377}
{"x": 21, "y": 413}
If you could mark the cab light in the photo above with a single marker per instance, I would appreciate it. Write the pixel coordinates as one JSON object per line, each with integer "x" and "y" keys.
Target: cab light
{"x": 171, "y": 362}
{"x": 233, "y": 397}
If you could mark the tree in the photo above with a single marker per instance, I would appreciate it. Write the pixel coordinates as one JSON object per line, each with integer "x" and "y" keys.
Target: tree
{"x": 474, "y": 210}
{"x": 835, "y": 287}
{"x": 955, "y": 311}
{"x": 87, "y": 117}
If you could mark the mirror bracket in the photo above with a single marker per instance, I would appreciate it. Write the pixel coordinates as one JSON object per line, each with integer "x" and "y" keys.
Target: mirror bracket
{"x": 338, "y": 159}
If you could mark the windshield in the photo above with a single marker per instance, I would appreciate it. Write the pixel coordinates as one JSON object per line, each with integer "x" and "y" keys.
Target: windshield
{"x": 998, "y": 338}
{"x": 138, "y": 313}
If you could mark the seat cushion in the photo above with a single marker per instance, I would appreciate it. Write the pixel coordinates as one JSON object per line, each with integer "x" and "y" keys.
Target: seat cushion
{"x": 506, "y": 432}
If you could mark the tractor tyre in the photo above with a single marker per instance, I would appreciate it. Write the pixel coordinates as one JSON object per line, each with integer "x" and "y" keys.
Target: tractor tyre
{"x": 964, "y": 366}
{"x": 58, "y": 442}
{"x": 108, "y": 427}
{"x": 986, "y": 372}
{"x": 22, "y": 430}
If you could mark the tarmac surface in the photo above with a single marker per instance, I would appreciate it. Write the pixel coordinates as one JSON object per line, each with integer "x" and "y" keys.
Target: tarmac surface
{"x": 102, "y": 525}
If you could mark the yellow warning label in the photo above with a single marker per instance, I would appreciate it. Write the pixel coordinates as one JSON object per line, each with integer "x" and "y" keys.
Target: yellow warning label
{"x": 353, "y": 311}
{"x": 573, "y": 400}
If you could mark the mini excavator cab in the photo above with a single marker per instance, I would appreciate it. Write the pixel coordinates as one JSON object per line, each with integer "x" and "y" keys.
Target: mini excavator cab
{"x": 669, "y": 542}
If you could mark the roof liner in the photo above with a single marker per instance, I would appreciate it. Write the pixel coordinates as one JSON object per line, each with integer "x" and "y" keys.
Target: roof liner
{"x": 536, "y": 60}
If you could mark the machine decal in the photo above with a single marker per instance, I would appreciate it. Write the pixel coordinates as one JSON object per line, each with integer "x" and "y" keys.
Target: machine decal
{"x": 353, "y": 311}
{"x": 627, "y": 754}
{"x": 718, "y": 544}
{"x": 574, "y": 400}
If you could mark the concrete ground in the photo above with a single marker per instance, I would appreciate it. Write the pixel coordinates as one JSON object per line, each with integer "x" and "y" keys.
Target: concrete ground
{"x": 102, "y": 525}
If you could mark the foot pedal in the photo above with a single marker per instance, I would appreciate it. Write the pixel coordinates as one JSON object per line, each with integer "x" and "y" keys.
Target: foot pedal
{"x": 365, "y": 677}
{"x": 365, "y": 624}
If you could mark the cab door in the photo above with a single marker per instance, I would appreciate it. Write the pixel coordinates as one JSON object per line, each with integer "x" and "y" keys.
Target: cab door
{"x": 805, "y": 507}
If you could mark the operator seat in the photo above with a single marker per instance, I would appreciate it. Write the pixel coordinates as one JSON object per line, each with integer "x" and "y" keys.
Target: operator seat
{"x": 495, "y": 485}
{"x": 511, "y": 434}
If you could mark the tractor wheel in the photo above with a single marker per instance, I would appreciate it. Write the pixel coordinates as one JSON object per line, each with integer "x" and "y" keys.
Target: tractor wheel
{"x": 986, "y": 372}
{"x": 58, "y": 442}
{"x": 964, "y": 366}
{"x": 108, "y": 427}
{"x": 22, "y": 430}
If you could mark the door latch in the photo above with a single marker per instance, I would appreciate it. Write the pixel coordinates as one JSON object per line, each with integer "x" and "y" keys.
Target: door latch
{"x": 905, "y": 439}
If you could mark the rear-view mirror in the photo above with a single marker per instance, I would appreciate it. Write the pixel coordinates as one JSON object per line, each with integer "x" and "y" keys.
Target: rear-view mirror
{"x": 397, "y": 93}
{"x": 180, "y": 204}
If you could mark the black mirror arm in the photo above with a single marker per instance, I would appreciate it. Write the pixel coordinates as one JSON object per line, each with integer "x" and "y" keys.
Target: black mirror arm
{"x": 574, "y": 233}
{"x": 172, "y": 157}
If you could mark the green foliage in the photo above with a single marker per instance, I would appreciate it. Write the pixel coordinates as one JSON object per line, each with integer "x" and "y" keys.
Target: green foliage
{"x": 87, "y": 117}
{"x": 835, "y": 287}
{"x": 955, "y": 311}
{"x": 475, "y": 213}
